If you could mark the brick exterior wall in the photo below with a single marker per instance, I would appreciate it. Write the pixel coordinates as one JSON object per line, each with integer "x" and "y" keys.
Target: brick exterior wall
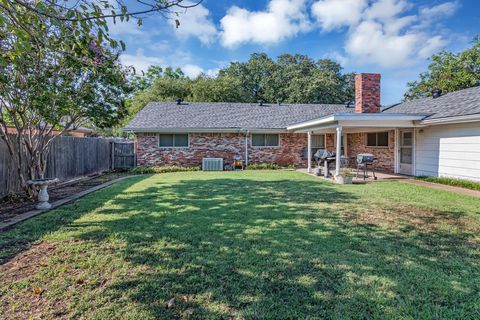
{"x": 220, "y": 145}
{"x": 357, "y": 143}
{"x": 367, "y": 93}
{"x": 227, "y": 145}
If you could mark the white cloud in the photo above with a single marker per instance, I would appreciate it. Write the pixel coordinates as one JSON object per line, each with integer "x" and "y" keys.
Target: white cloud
{"x": 333, "y": 14}
{"x": 384, "y": 32}
{"x": 431, "y": 46}
{"x": 121, "y": 28}
{"x": 386, "y": 9}
{"x": 194, "y": 22}
{"x": 192, "y": 70}
{"x": 368, "y": 43}
{"x": 140, "y": 61}
{"x": 281, "y": 19}
{"x": 444, "y": 9}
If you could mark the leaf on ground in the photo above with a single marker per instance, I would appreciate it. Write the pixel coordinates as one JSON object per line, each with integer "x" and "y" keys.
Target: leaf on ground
{"x": 188, "y": 312}
{"x": 38, "y": 290}
{"x": 171, "y": 303}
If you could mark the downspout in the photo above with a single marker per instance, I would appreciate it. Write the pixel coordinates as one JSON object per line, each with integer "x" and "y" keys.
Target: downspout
{"x": 246, "y": 147}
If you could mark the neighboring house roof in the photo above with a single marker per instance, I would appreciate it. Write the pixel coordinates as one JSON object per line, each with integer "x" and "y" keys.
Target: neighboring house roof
{"x": 458, "y": 103}
{"x": 168, "y": 115}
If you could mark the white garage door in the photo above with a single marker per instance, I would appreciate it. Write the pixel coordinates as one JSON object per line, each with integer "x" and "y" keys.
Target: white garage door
{"x": 449, "y": 151}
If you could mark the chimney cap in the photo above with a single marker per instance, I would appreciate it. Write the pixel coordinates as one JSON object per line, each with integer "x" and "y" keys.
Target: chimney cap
{"x": 436, "y": 92}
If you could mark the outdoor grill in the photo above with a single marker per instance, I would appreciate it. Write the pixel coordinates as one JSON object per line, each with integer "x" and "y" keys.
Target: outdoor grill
{"x": 322, "y": 155}
{"x": 367, "y": 158}
{"x": 326, "y": 157}
{"x": 363, "y": 161}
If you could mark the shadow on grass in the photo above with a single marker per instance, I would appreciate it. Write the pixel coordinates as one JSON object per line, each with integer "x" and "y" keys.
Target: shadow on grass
{"x": 19, "y": 237}
{"x": 285, "y": 248}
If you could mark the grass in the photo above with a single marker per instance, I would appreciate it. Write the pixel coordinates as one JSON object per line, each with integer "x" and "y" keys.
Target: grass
{"x": 247, "y": 245}
{"x": 468, "y": 184}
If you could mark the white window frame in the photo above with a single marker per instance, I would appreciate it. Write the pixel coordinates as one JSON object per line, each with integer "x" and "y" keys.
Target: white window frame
{"x": 264, "y": 134}
{"x": 376, "y": 139}
{"x": 173, "y": 147}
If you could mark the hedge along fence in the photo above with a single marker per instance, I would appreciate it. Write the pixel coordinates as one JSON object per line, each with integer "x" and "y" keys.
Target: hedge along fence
{"x": 69, "y": 157}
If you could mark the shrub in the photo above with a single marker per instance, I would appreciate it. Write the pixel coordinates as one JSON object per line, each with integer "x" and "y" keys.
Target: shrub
{"x": 453, "y": 182}
{"x": 166, "y": 169}
{"x": 262, "y": 166}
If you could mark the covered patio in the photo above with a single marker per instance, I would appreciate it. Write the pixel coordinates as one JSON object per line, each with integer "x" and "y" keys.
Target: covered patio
{"x": 388, "y": 137}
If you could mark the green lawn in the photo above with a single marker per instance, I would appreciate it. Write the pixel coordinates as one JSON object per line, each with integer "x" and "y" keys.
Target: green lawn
{"x": 247, "y": 245}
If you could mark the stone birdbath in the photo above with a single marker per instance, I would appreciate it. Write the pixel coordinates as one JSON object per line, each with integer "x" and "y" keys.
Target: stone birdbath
{"x": 43, "y": 196}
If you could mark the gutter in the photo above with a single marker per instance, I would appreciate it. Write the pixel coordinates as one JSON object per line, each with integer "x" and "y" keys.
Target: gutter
{"x": 454, "y": 119}
{"x": 205, "y": 130}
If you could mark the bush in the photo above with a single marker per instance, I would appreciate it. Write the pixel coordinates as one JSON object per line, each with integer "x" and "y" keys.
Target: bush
{"x": 453, "y": 182}
{"x": 166, "y": 169}
{"x": 262, "y": 166}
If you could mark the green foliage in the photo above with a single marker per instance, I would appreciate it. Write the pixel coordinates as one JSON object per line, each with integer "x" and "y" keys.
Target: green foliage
{"x": 289, "y": 79}
{"x": 53, "y": 75}
{"x": 468, "y": 184}
{"x": 165, "y": 169}
{"x": 217, "y": 89}
{"x": 262, "y": 166}
{"x": 448, "y": 72}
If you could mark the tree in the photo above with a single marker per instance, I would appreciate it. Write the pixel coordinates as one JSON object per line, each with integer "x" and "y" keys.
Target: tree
{"x": 289, "y": 78}
{"x": 217, "y": 89}
{"x": 53, "y": 76}
{"x": 448, "y": 72}
{"x": 292, "y": 79}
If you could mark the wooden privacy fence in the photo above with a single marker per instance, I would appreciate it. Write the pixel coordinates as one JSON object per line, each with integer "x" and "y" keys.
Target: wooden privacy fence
{"x": 71, "y": 157}
{"x": 123, "y": 155}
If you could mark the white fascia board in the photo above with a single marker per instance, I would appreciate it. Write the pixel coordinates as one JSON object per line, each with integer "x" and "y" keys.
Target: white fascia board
{"x": 359, "y": 119}
{"x": 204, "y": 130}
{"x": 377, "y": 124}
{"x": 313, "y": 123}
{"x": 457, "y": 119}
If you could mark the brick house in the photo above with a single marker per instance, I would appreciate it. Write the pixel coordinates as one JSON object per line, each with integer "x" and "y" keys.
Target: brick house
{"x": 435, "y": 136}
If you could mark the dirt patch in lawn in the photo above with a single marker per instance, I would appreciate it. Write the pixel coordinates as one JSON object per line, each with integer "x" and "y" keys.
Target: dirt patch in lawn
{"x": 420, "y": 220}
{"x": 17, "y": 204}
{"x": 21, "y": 297}
{"x": 32, "y": 283}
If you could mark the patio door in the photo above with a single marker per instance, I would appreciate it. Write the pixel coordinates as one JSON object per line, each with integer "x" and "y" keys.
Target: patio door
{"x": 405, "y": 152}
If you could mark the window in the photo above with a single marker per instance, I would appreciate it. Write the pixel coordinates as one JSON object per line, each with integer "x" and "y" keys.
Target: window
{"x": 173, "y": 140}
{"x": 377, "y": 139}
{"x": 265, "y": 140}
{"x": 318, "y": 141}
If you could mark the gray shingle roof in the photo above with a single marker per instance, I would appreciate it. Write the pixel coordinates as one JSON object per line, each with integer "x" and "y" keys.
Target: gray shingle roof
{"x": 169, "y": 115}
{"x": 457, "y": 103}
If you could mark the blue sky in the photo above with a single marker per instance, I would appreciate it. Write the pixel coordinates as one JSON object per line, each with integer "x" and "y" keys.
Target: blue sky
{"x": 391, "y": 37}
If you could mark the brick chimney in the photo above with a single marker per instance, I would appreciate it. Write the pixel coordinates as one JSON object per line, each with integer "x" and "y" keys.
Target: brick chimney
{"x": 367, "y": 93}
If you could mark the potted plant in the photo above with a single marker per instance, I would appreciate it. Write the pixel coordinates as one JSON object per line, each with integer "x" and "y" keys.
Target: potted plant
{"x": 345, "y": 177}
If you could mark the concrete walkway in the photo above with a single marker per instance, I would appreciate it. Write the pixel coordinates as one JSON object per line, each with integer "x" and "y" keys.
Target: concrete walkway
{"x": 444, "y": 187}
{"x": 56, "y": 204}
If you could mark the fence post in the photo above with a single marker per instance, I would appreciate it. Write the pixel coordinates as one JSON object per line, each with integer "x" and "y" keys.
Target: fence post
{"x": 112, "y": 151}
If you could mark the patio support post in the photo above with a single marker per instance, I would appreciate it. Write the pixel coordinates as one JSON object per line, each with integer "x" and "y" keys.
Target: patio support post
{"x": 338, "y": 152}
{"x": 309, "y": 151}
